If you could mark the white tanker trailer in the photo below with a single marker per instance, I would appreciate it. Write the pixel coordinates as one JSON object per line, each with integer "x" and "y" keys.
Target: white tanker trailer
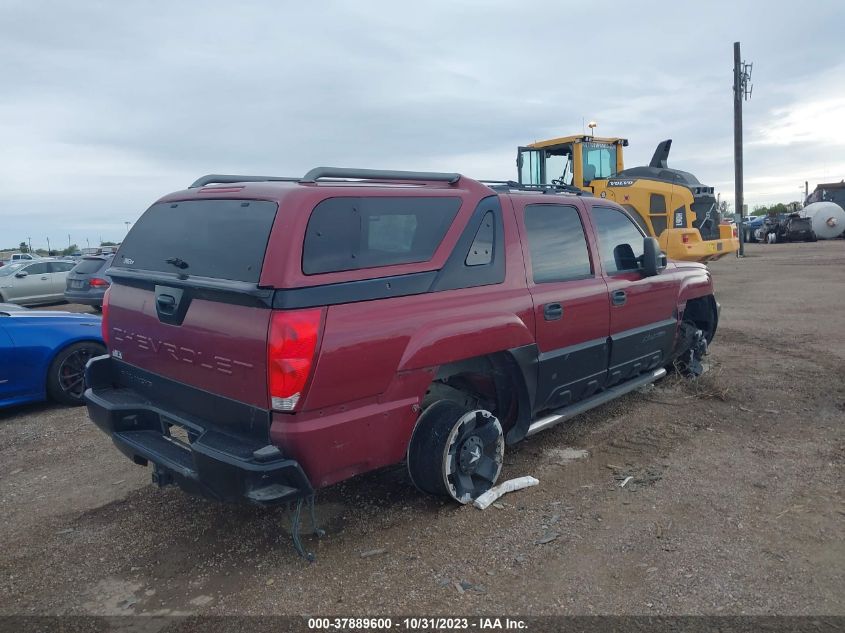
{"x": 827, "y": 218}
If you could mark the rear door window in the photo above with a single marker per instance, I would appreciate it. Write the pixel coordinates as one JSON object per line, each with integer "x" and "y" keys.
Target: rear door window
{"x": 60, "y": 267}
{"x": 353, "y": 233}
{"x": 41, "y": 268}
{"x": 557, "y": 243}
{"x": 222, "y": 239}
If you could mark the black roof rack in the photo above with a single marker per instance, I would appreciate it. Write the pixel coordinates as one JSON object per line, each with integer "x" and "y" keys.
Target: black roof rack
{"x": 378, "y": 174}
{"x": 221, "y": 179}
{"x": 508, "y": 185}
{"x": 332, "y": 172}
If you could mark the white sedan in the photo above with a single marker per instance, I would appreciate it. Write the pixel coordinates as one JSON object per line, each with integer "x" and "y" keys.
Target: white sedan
{"x": 30, "y": 283}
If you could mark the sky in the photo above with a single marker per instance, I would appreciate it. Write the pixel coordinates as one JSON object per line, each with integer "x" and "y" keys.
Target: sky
{"x": 106, "y": 106}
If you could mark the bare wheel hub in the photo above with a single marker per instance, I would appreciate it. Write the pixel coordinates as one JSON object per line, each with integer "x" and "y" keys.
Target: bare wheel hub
{"x": 470, "y": 454}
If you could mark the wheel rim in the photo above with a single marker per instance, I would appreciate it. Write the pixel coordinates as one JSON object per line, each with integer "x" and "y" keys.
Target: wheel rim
{"x": 72, "y": 372}
{"x": 473, "y": 458}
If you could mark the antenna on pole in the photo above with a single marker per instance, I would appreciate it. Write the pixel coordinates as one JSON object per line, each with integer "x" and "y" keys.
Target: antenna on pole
{"x": 742, "y": 92}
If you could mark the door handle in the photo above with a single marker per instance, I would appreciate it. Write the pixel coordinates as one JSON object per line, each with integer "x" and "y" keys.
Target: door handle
{"x": 552, "y": 312}
{"x": 618, "y": 297}
{"x": 44, "y": 277}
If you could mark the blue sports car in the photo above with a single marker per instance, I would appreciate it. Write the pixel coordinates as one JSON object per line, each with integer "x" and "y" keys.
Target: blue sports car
{"x": 43, "y": 354}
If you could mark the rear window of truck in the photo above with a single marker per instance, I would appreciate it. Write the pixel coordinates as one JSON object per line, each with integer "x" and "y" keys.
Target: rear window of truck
{"x": 353, "y": 233}
{"x": 222, "y": 239}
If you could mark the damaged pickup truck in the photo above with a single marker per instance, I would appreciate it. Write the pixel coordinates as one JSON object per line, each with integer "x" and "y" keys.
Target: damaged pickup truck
{"x": 271, "y": 336}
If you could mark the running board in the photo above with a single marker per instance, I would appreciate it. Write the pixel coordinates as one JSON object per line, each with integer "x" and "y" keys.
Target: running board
{"x": 585, "y": 405}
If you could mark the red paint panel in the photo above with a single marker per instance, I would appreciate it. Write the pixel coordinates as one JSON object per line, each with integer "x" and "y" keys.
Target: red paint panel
{"x": 365, "y": 343}
{"x": 339, "y": 442}
{"x": 219, "y": 347}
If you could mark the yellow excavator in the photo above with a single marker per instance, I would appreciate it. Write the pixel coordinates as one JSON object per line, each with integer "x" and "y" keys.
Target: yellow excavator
{"x": 669, "y": 204}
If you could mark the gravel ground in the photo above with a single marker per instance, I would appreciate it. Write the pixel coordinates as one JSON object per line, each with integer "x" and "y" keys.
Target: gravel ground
{"x": 735, "y": 504}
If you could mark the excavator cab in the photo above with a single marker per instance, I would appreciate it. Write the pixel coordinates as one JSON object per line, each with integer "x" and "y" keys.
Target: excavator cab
{"x": 570, "y": 161}
{"x": 552, "y": 166}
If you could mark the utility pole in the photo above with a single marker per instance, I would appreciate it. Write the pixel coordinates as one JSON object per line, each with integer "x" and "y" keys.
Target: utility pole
{"x": 29, "y": 239}
{"x": 48, "y": 247}
{"x": 742, "y": 91}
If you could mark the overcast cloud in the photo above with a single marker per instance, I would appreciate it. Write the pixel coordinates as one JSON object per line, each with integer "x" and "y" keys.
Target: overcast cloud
{"x": 106, "y": 106}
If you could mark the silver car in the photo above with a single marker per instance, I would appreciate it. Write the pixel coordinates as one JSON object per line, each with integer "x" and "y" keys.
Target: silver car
{"x": 29, "y": 283}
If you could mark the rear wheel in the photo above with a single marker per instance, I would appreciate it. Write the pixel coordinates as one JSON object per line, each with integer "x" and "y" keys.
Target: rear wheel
{"x": 66, "y": 376}
{"x": 456, "y": 452}
{"x": 97, "y": 308}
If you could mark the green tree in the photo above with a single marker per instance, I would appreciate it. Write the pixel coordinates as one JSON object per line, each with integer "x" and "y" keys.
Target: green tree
{"x": 23, "y": 247}
{"x": 70, "y": 250}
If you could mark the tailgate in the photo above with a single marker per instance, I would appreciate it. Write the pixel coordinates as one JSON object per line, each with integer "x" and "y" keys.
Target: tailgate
{"x": 219, "y": 347}
{"x": 185, "y": 302}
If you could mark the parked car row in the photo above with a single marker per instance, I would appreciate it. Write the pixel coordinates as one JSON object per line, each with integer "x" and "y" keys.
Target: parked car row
{"x": 785, "y": 228}
{"x": 19, "y": 257}
{"x": 778, "y": 228}
{"x": 34, "y": 282}
{"x": 50, "y": 280}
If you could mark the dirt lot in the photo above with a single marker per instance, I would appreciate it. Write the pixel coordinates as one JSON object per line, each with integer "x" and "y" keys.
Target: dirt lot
{"x": 735, "y": 505}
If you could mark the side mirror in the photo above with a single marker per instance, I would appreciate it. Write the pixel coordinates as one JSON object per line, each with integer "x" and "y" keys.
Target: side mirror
{"x": 653, "y": 259}
{"x": 21, "y": 274}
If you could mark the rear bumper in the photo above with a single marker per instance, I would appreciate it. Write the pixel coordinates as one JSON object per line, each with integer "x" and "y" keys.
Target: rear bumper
{"x": 212, "y": 463}
{"x": 84, "y": 298}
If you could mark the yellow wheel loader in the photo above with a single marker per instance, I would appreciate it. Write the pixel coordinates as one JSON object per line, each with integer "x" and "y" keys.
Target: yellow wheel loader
{"x": 669, "y": 204}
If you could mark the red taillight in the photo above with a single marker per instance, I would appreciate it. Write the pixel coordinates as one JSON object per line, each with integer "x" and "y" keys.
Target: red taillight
{"x": 96, "y": 282}
{"x": 685, "y": 238}
{"x": 291, "y": 344}
{"x": 105, "y": 323}
{"x": 735, "y": 234}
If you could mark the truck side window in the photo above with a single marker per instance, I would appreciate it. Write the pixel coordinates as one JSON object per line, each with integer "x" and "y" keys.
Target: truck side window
{"x": 369, "y": 232}
{"x": 557, "y": 243}
{"x": 620, "y": 240}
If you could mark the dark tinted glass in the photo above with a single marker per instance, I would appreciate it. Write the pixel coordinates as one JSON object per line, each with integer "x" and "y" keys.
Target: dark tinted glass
{"x": 481, "y": 249}
{"x": 223, "y": 239}
{"x": 657, "y": 203}
{"x": 620, "y": 241}
{"x": 60, "y": 267}
{"x": 557, "y": 243}
{"x": 40, "y": 268}
{"x": 354, "y": 233}
{"x": 88, "y": 266}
